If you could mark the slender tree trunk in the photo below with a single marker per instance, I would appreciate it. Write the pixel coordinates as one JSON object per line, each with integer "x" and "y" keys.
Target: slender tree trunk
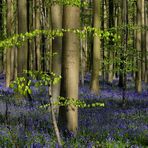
{"x": 38, "y": 38}
{"x": 83, "y": 59}
{"x": 15, "y": 48}
{"x": 33, "y": 51}
{"x": 142, "y": 42}
{"x": 134, "y": 41}
{"x": 90, "y": 36}
{"x": 48, "y": 43}
{"x": 9, "y": 33}
{"x": 138, "y": 46}
{"x": 120, "y": 22}
{"x": 30, "y": 10}
{"x": 117, "y": 44}
{"x": 68, "y": 115}
{"x": 43, "y": 38}
{"x": 146, "y": 55}
{"x": 85, "y": 13}
{"x": 104, "y": 27}
{"x": 53, "y": 116}
{"x": 5, "y": 32}
{"x": 22, "y": 28}
{"x": 122, "y": 73}
{"x": 110, "y": 51}
{"x": 96, "y": 49}
{"x": 1, "y": 32}
{"x": 125, "y": 46}
{"x": 56, "y": 18}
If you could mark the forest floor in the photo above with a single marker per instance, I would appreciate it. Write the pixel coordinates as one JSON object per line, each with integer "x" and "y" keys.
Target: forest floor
{"x": 111, "y": 126}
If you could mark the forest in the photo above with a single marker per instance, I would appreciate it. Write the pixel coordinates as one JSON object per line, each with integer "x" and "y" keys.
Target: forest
{"x": 73, "y": 73}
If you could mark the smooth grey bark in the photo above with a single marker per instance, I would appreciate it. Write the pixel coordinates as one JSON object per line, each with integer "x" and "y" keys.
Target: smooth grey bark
{"x": 138, "y": 80}
{"x": 123, "y": 58}
{"x": 110, "y": 51}
{"x": 30, "y": 22}
{"x": 1, "y": 32}
{"x": 125, "y": 46}
{"x": 10, "y": 30}
{"x": 96, "y": 49}
{"x": 68, "y": 115}
{"x": 38, "y": 38}
{"x": 85, "y": 13}
{"x": 22, "y": 28}
{"x": 104, "y": 27}
{"x": 142, "y": 41}
{"x": 56, "y": 21}
{"x": 146, "y": 56}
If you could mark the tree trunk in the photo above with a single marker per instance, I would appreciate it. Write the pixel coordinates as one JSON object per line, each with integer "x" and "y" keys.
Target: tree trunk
{"x": 96, "y": 49}
{"x": 143, "y": 53}
{"x": 56, "y": 18}
{"x": 146, "y": 55}
{"x": 104, "y": 27}
{"x": 123, "y": 58}
{"x": 110, "y": 51}
{"x": 9, "y": 33}
{"x": 125, "y": 46}
{"x": 38, "y": 38}
{"x": 22, "y": 28}
{"x": 1, "y": 32}
{"x": 85, "y": 13}
{"x": 30, "y": 15}
{"x": 68, "y": 115}
{"x": 138, "y": 46}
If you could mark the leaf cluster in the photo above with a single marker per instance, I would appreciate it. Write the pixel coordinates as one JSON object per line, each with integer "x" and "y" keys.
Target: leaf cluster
{"x": 77, "y": 3}
{"x": 18, "y": 39}
{"x": 75, "y": 102}
{"x": 22, "y": 85}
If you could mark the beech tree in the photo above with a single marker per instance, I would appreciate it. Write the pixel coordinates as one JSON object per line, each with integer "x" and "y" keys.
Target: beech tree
{"x": 143, "y": 53}
{"x": 110, "y": 50}
{"x": 1, "y": 32}
{"x": 22, "y": 28}
{"x": 146, "y": 39}
{"x": 96, "y": 48}
{"x": 56, "y": 21}
{"x": 68, "y": 115}
{"x": 10, "y": 30}
{"x": 38, "y": 38}
{"x": 138, "y": 46}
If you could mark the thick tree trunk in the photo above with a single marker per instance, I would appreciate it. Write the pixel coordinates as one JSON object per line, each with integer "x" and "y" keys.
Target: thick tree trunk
{"x": 96, "y": 49}
{"x": 68, "y": 115}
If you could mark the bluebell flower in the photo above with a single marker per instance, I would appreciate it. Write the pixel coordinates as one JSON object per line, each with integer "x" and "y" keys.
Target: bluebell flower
{"x": 36, "y": 145}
